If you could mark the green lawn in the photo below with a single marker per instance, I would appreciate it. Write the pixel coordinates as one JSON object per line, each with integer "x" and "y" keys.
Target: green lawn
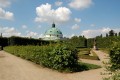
{"x": 106, "y": 50}
{"x": 85, "y": 53}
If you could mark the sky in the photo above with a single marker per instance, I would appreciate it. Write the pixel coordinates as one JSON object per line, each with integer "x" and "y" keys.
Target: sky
{"x": 31, "y": 18}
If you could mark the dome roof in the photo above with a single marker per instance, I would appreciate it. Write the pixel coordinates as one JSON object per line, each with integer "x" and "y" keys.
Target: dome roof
{"x": 53, "y": 31}
{"x": 53, "y": 34}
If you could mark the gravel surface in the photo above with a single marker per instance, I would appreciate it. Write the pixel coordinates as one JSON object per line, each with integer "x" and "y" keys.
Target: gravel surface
{"x": 15, "y": 68}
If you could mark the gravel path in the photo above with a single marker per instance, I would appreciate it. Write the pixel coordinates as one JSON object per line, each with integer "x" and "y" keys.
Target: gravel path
{"x": 15, "y": 68}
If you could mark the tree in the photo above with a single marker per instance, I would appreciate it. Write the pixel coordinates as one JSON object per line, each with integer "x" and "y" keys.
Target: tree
{"x": 119, "y": 33}
{"x": 106, "y": 35}
{"x": 111, "y": 33}
{"x": 115, "y": 34}
{"x": 1, "y": 35}
{"x": 101, "y": 35}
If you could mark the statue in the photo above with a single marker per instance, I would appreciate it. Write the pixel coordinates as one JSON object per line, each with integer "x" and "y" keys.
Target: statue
{"x": 95, "y": 45}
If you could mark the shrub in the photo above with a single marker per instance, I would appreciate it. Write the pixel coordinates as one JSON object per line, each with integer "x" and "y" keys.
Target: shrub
{"x": 56, "y": 57}
{"x": 84, "y": 53}
{"x": 114, "y": 76}
{"x": 115, "y": 56}
{"x": 62, "y": 58}
{"x": 59, "y": 57}
{"x": 114, "y": 66}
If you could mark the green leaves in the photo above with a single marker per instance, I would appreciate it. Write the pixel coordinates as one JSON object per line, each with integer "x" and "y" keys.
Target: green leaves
{"x": 115, "y": 57}
{"x": 57, "y": 57}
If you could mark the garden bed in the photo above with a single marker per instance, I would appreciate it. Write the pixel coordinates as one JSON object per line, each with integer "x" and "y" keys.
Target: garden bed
{"x": 51, "y": 56}
{"x": 87, "y": 53}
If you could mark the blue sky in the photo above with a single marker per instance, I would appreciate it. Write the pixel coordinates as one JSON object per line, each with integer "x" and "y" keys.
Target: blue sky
{"x": 31, "y": 18}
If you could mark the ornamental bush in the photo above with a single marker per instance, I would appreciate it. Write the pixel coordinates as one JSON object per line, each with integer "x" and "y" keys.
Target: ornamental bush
{"x": 62, "y": 58}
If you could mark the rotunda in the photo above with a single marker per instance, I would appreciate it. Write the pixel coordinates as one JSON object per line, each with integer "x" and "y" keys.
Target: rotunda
{"x": 53, "y": 34}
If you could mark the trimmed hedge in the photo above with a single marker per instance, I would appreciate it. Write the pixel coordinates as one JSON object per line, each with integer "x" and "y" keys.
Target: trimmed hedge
{"x": 26, "y": 41}
{"x": 89, "y": 57}
{"x": 3, "y": 41}
{"x": 84, "y": 54}
{"x": 55, "y": 57}
{"x": 58, "y": 57}
{"x": 22, "y": 41}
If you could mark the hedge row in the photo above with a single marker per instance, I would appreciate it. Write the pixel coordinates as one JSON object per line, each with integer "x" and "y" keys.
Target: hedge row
{"x": 25, "y": 41}
{"x": 58, "y": 57}
{"x": 21, "y": 41}
{"x": 3, "y": 41}
{"x": 55, "y": 57}
{"x": 103, "y": 42}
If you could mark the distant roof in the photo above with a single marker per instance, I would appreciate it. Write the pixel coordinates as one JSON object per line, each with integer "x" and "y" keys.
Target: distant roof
{"x": 53, "y": 31}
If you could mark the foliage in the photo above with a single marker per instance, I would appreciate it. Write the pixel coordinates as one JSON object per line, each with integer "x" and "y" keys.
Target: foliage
{"x": 119, "y": 34}
{"x": 26, "y": 41}
{"x": 77, "y": 41}
{"x": 106, "y": 42}
{"x": 3, "y": 41}
{"x": 84, "y": 53}
{"x": 113, "y": 66}
{"x": 115, "y": 56}
{"x": 58, "y": 57}
{"x": 55, "y": 57}
{"x": 115, "y": 76}
{"x": 21, "y": 41}
{"x": 90, "y": 42}
{"x": 62, "y": 58}
{"x": 111, "y": 33}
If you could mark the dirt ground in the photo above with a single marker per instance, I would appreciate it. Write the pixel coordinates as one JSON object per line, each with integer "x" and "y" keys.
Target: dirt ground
{"x": 15, "y": 68}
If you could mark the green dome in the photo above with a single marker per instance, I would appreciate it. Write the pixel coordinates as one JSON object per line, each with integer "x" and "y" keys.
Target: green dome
{"x": 53, "y": 33}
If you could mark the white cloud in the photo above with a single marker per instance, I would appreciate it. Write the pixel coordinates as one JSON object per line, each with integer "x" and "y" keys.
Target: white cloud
{"x": 92, "y": 25}
{"x": 72, "y": 35}
{"x": 75, "y": 27}
{"x": 40, "y": 36}
{"x": 24, "y": 26}
{"x": 94, "y": 33}
{"x": 31, "y": 34}
{"x": 80, "y": 4}
{"x": 6, "y": 14}
{"x": 46, "y": 14}
{"x": 39, "y": 26}
{"x": 58, "y": 3}
{"x": 69, "y": 36}
{"x": 77, "y": 20}
{"x": 4, "y": 3}
{"x": 9, "y": 31}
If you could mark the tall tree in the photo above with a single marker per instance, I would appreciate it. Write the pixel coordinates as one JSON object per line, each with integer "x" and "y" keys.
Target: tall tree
{"x": 1, "y": 35}
{"x": 115, "y": 34}
{"x": 101, "y": 35}
{"x": 106, "y": 35}
{"x": 111, "y": 33}
{"x": 119, "y": 33}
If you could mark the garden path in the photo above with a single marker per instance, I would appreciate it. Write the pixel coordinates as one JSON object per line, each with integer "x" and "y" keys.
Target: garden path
{"x": 15, "y": 68}
{"x": 102, "y": 56}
